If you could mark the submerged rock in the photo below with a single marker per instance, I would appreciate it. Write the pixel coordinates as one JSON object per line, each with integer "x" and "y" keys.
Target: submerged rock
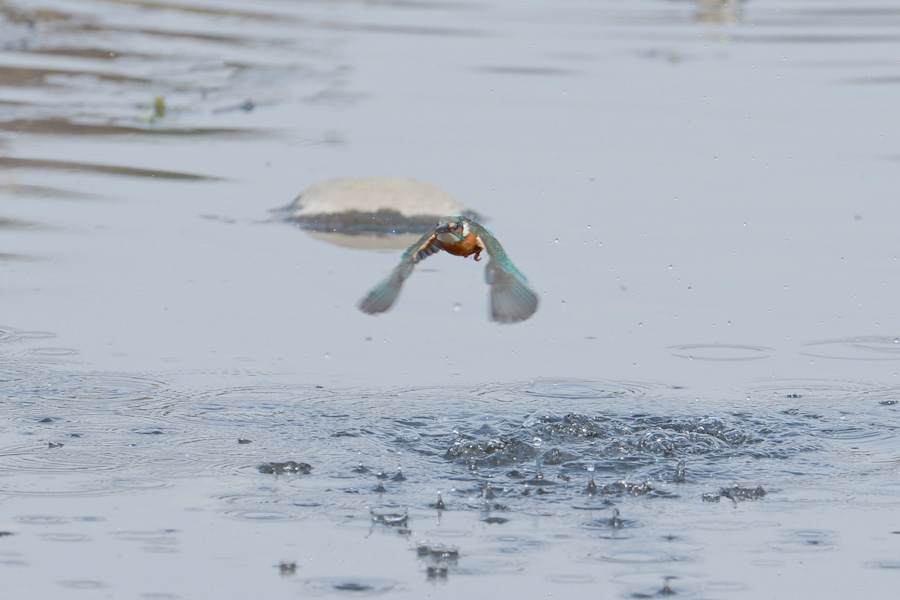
{"x": 372, "y": 205}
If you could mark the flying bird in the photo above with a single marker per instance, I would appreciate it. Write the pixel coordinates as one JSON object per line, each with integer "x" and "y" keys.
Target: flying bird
{"x": 512, "y": 299}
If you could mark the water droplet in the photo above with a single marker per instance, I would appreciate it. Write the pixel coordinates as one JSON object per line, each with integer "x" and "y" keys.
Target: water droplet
{"x": 563, "y": 302}
{"x": 457, "y": 307}
{"x": 670, "y": 267}
{"x": 555, "y": 240}
{"x": 327, "y": 356}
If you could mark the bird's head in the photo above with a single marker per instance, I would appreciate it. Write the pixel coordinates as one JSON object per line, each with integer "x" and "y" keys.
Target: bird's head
{"x": 457, "y": 226}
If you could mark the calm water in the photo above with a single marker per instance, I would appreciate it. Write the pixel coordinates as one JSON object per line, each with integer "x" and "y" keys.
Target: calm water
{"x": 704, "y": 194}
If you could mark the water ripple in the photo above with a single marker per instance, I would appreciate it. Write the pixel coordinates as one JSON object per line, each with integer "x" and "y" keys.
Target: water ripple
{"x": 569, "y": 389}
{"x": 726, "y": 352}
{"x": 10, "y": 335}
{"x": 876, "y": 347}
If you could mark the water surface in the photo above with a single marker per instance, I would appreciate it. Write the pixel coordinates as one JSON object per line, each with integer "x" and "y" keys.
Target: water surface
{"x": 702, "y": 193}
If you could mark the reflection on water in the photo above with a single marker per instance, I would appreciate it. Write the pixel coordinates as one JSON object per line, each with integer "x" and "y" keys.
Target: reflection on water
{"x": 66, "y": 165}
{"x": 78, "y": 71}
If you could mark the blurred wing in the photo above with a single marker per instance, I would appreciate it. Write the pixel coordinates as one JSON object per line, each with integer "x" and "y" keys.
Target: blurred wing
{"x": 383, "y": 295}
{"x": 512, "y": 299}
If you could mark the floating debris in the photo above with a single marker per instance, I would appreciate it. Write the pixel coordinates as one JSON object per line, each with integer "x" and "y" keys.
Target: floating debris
{"x": 440, "y": 502}
{"x": 244, "y": 441}
{"x": 280, "y": 468}
{"x": 437, "y": 572}
{"x": 287, "y": 568}
{"x": 680, "y": 471}
{"x": 157, "y": 110}
{"x": 54, "y": 445}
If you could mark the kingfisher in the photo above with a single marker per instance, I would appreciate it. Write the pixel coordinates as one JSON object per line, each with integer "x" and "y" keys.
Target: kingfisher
{"x": 512, "y": 299}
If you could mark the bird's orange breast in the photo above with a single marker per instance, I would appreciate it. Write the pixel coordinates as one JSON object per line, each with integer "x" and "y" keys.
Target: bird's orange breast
{"x": 464, "y": 247}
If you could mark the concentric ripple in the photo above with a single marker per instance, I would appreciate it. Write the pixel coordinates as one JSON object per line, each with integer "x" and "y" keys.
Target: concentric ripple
{"x": 10, "y": 335}
{"x": 568, "y": 389}
{"x": 726, "y": 352}
{"x": 876, "y": 347}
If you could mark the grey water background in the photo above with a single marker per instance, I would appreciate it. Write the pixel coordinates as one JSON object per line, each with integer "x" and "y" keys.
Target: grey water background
{"x": 704, "y": 195}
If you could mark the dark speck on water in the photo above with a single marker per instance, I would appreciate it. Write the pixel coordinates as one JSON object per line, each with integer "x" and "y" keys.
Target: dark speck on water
{"x": 287, "y": 568}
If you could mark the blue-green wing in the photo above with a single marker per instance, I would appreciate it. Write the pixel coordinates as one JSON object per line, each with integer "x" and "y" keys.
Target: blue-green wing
{"x": 383, "y": 295}
{"x": 512, "y": 299}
